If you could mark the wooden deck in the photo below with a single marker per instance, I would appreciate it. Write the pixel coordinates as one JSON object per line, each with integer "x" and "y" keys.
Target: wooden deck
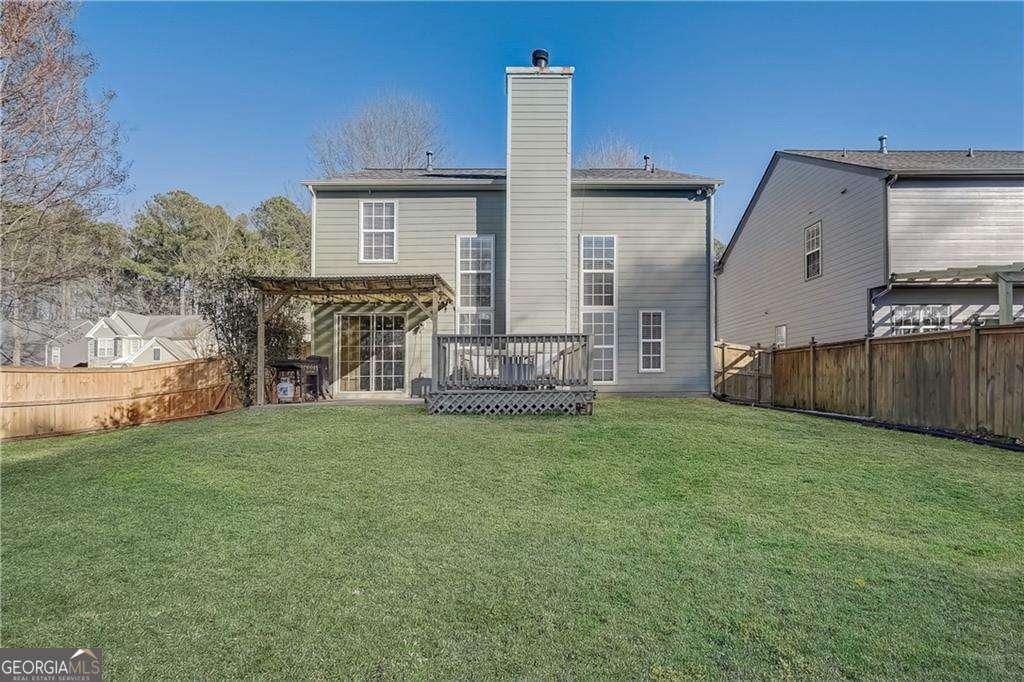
{"x": 511, "y": 374}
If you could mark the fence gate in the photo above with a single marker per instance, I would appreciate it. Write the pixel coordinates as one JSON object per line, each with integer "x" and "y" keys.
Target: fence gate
{"x": 743, "y": 373}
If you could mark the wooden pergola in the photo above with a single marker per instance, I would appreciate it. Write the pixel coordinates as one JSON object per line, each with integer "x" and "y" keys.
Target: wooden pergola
{"x": 1003, "y": 276}
{"x": 430, "y": 293}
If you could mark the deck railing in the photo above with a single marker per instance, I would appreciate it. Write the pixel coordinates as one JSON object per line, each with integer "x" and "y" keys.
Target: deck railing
{"x": 511, "y": 361}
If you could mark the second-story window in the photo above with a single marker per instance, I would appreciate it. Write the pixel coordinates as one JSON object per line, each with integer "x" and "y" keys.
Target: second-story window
{"x": 476, "y": 284}
{"x": 598, "y": 312}
{"x": 812, "y": 251}
{"x": 377, "y": 232}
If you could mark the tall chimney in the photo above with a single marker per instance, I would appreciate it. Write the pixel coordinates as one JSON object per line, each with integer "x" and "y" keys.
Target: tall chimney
{"x": 881, "y": 144}
{"x": 537, "y": 197}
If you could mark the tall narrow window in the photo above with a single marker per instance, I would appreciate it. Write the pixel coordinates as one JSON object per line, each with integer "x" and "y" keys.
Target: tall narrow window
{"x": 476, "y": 284}
{"x": 597, "y": 303}
{"x": 652, "y": 341}
{"x": 377, "y": 233}
{"x": 812, "y": 251}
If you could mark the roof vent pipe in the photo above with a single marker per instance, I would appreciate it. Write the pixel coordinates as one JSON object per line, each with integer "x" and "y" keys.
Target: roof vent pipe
{"x": 540, "y": 59}
{"x": 647, "y": 162}
{"x": 970, "y": 151}
{"x": 881, "y": 144}
{"x": 430, "y": 161}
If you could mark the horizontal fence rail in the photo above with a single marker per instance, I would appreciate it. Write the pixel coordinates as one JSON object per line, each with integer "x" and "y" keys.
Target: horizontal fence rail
{"x": 49, "y": 401}
{"x": 969, "y": 380}
{"x": 511, "y": 361}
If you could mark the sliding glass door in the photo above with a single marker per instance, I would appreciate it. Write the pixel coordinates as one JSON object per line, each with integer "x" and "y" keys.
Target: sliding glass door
{"x": 371, "y": 352}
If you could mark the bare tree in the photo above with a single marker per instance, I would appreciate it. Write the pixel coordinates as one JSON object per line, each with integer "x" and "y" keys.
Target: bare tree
{"x": 615, "y": 151}
{"x": 394, "y": 130}
{"x": 611, "y": 151}
{"x": 60, "y": 164}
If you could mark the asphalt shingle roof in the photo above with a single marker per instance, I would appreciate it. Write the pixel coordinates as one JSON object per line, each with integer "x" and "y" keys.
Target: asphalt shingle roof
{"x": 1001, "y": 161}
{"x": 442, "y": 175}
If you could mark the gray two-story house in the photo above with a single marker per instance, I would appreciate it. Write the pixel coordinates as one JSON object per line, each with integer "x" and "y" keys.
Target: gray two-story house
{"x": 537, "y": 247}
{"x": 837, "y": 244}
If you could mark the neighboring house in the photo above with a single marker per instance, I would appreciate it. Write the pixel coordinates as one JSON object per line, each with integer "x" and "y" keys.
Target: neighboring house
{"x": 839, "y": 244}
{"x": 71, "y": 347}
{"x": 127, "y": 339}
{"x": 534, "y": 248}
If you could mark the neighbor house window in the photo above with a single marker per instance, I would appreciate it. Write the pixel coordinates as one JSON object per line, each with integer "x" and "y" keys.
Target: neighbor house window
{"x": 476, "y": 284}
{"x": 598, "y": 301}
{"x": 156, "y": 353}
{"x": 104, "y": 348}
{"x": 914, "y": 319}
{"x": 377, "y": 232}
{"x": 132, "y": 346}
{"x": 780, "y": 336}
{"x": 652, "y": 341}
{"x": 55, "y": 356}
{"x": 812, "y": 251}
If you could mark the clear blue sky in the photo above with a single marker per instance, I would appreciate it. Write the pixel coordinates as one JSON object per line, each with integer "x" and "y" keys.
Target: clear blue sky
{"x": 220, "y": 99}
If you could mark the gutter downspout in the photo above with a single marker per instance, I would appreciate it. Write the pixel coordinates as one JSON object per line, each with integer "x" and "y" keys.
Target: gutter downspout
{"x": 709, "y": 192}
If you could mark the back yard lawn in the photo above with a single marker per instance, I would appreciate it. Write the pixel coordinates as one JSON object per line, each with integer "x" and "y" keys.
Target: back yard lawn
{"x": 657, "y": 538}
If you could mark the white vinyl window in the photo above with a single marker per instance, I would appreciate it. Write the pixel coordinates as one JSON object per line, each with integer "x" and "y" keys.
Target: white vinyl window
{"x": 652, "y": 340}
{"x": 475, "y": 284}
{"x": 377, "y": 232}
{"x": 812, "y": 251}
{"x": 780, "y": 336}
{"x": 54, "y": 356}
{"x": 597, "y": 304}
{"x": 914, "y": 319}
{"x": 104, "y": 348}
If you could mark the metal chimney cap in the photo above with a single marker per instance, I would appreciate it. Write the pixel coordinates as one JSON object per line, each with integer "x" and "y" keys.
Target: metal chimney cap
{"x": 430, "y": 161}
{"x": 881, "y": 144}
{"x": 540, "y": 59}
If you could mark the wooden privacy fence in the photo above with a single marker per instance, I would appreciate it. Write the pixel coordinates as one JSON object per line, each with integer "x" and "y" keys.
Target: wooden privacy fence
{"x": 44, "y": 401}
{"x": 969, "y": 380}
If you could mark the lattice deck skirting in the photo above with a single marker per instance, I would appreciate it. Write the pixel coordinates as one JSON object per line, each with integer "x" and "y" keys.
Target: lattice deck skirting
{"x": 575, "y": 401}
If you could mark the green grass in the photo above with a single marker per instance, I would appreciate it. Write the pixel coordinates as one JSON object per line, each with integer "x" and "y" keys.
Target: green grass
{"x": 659, "y": 538}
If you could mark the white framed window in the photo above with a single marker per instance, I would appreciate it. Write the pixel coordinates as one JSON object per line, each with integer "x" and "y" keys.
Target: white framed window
{"x": 651, "y": 332}
{"x": 812, "y": 251}
{"x": 780, "y": 336}
{"x": 914, "y": 319}
{"x": 475, "y": 283}
{"x": 55, "y": 356}
{"x": 156, "y": 353}
{"x": 132, "y": 346}
{"x": 104, "y": 348}
{"x": 598, "y": 300}
{"x": 378, "y": 233}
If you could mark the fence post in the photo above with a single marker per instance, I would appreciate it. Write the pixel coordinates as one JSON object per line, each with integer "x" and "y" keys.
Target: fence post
{"x": 868, "y": 378}
{"x": 814, "y": 376}
{"x": 975, "y": 334}
{"x": 721, "y": 373}
{"x": 757, "y": 373}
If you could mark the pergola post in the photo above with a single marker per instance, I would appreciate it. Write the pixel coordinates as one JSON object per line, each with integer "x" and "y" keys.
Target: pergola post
{"x": 1005, "y": 287}
{"x": 261, "y": 352}
{"x": 434, "y": 360}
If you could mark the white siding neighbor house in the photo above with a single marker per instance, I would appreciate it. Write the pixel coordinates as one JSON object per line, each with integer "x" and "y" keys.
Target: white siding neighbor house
{"x": 537, "y": 247}
{"x": 126, "y": 339}
{"x": 836, "y": 244}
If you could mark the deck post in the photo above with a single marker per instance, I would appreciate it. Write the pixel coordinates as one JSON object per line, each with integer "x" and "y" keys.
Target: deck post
{"x": 261, "y": 359}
